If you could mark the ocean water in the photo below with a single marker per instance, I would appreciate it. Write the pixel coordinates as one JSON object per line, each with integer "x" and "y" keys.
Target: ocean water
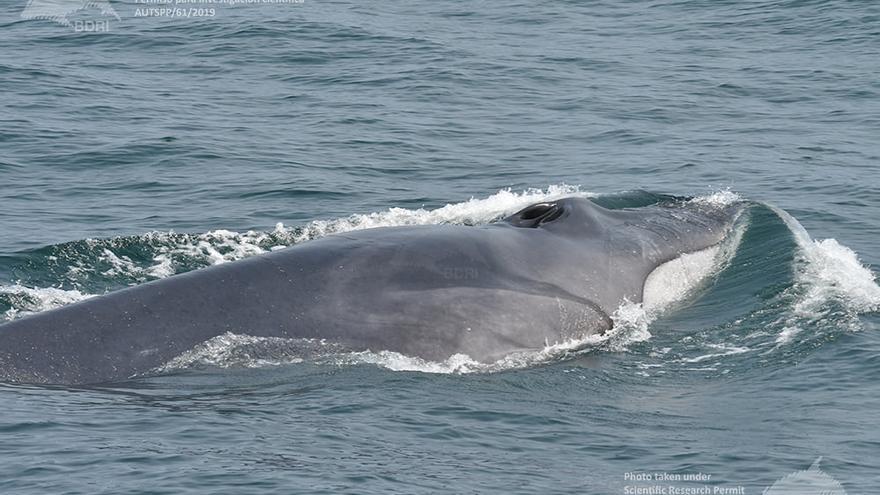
{"x": 165, "y": 144}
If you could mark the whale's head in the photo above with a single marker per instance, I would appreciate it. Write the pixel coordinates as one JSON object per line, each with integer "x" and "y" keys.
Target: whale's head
{"x": 681, "y": 225}
{"x": 608, "y": 254}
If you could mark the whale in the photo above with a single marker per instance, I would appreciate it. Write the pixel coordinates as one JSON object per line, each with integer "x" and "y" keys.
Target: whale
{"x": 551, "y": 272}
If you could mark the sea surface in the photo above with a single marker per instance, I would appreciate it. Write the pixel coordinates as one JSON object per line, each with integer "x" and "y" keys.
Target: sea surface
{"x": 144, "y": 145}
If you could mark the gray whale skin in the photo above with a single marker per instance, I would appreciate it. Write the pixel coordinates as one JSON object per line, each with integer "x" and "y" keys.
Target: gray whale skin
{"x": 551, "y": 272}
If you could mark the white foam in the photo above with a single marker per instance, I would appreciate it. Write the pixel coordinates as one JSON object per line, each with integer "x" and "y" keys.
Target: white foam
{"x": 222, "y": 246}
{"x": 463, "y": 364}
{"x": 211, "y": 248}
{"x": 241, "y": 350}
{"x": 718, "y": 199}
{"x": 395, "y": 361}
{"x": 238, "y": 350}
{"x": 218, "y": 246}
{"x": 835, "y": 270}
{"x": 27, "y": 300}
{"x": 826, "y": 274}
{"x": 120, "y": 266}
{"x": 164, "y": 266}
{"x": 787, "y": 334}
{"x": 473, "y": 211}
{"x": 631, "y": 325}
{"x": 726, "y": 350}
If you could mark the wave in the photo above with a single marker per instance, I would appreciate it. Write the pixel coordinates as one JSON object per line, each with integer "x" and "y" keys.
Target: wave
{"x": 832, "y": 286}
{"x": 785, "y": 294}
{"x": 23, "y": 301}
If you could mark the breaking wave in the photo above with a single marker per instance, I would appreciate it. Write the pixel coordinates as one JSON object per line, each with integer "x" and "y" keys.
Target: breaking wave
{"x": 832, "y": 286}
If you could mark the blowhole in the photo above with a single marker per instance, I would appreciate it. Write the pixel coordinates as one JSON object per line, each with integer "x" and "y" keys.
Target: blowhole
{"x": 536, "y": 211}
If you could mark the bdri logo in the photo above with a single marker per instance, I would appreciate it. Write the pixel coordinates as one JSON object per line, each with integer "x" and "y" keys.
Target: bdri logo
{"x": 62, "y": 11}
{"x": 460, "y": 273}
{"x": 813, "y": 481}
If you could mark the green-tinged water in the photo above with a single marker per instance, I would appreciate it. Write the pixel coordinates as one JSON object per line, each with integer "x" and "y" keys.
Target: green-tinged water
{"x": 171, "y": 144}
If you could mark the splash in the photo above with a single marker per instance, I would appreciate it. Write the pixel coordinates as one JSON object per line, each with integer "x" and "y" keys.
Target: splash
{"x": 471, "y": 212}
{"x": 246, "y": 351}
{"x": 718, "y": 199}
{"x": 724, "y": 350}
{"x": 832, "y": 286}
{"x": 222, "y": 246}
{"x": 27, "y": 300}
{"x": 119, "y": 265}
{"x": 173, "y": 253}
{"x": 232, "y": 350}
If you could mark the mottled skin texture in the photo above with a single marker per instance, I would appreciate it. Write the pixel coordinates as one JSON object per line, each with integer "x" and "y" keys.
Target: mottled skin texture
{"x": 551, "y": 272}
